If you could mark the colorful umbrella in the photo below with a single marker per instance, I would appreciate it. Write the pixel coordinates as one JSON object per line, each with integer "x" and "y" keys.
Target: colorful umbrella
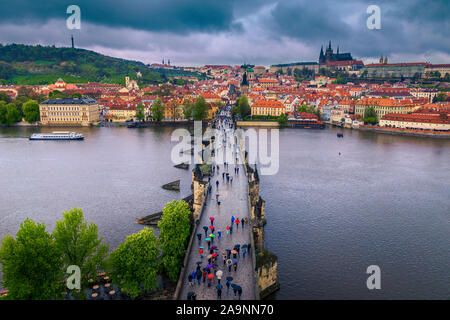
{"x": 233, "y": 251}
{"x": 211, "y": 218}
{"x": 214, "y": 254}
{"x": 230, "y": 278}
{"x": 211, "y": 227}
{"x": 212, "y": 235}
{"x": 208, "y": 239}
{"x": 201, "y": 247}
{"x": 209, "y": 266}
{"x": 213, "y": 247}
{"x": 209, "y": 256}
{"x": 210, "y": 276}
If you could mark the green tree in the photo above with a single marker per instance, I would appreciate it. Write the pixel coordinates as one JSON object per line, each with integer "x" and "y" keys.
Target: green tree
{"x": 200, "y": 110}
{"x": 12, "y": 114}
{"x": 175, "y": 230}
{"x": 76, "y": 95}
{"x": 135, "y": 263}
{"x": 244, "y": 106}
{"x": 157, "y": 110}
{"x": 187, "y": 110}
{"x": 79, "y": 244}
{"x": 30, "y": 111}
{"x": 31, "y": 264}
{"x": 370, "y": 116}
{"x": 140, "y": 115}
{"x": 3, "y": 112}
{"x": 282, "y": 119}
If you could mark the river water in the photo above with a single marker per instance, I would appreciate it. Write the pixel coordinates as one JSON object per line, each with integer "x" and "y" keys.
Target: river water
{"x": 384, "y": 201}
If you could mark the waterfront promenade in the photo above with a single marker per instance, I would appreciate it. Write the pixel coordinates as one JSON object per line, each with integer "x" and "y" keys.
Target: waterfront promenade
{"x": 234, "y": 202}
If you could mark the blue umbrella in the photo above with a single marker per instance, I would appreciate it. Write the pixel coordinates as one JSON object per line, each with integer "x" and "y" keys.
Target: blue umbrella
{"x": 219, "y": 287}
{"x": 228, "y": 250}
{"x": 230, "y": 278}
{"x": 234, "y": 286}
{"x": 237, "y": 245}
{"x": 235, "y": 261}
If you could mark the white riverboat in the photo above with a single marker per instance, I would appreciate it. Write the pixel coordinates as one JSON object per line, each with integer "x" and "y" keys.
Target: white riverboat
{"x": 57, "y": 135}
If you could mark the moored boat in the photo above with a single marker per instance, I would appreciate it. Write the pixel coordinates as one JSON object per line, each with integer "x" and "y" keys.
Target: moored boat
{"x": 57, "y": 135}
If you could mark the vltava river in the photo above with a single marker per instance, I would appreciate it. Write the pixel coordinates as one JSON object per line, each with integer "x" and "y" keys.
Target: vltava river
{"x": 385, "y": 201}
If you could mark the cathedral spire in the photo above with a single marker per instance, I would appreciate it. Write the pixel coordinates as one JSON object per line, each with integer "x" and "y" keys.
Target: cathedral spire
{"x": 329, "y": 45}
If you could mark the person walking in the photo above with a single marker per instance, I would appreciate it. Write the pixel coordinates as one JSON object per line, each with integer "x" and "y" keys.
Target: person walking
{"x": 204, "y": 276}
{"x": 219, "y": 233}
{"x": 229, "y": 263}
{"x": 235, "y": 266}
{"x": 235, "y": 291}
{"x": 219, "y": 274}
{"x": 199, "y": 236}
{"x": 237, "y": 223}
{"x": 244, "y": 251}
{"x": 224, "y": 256}
{"x": 199, "y": 276}
{"x": 228, "y": 283}
{"x": 232, "y": 220}
{"x": 231, "y": 230}
{"x": 239, "y": 292}
{"x": 249, "y": 247}
{"x": 219, "y": 292}
{"x": 223, "y": 176}
{"x": 200, "y": 251}
{"x": 190, "y": 280}
{"x": 231, "y": 180}
{"x": 228, "y": 229}
{"x": 206, "y": 230}
{"x": 194, "y": 276}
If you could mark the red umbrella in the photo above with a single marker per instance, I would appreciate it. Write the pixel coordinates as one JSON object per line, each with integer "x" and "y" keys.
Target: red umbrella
{"x": 210, "y": 276}
{"x": 211, "y": 227}
{"x": 214, "y": 254}
{"x": 211, "y": 218}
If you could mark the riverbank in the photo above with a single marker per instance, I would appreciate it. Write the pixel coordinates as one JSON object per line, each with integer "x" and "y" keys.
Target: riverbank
{"x": 406, "y": 132}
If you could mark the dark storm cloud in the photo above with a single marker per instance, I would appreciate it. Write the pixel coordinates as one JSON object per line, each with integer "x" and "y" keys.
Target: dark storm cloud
{"x": 178, "y": 16}
{"x": 416, "y": 26}
{"x": 231, "y": 31}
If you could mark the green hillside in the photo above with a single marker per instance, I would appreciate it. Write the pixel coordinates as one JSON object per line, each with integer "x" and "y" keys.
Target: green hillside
{"x": 33, "y": 65}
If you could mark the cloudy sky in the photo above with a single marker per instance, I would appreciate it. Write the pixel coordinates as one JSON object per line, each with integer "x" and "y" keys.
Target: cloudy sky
{"x": 262, "y": 32}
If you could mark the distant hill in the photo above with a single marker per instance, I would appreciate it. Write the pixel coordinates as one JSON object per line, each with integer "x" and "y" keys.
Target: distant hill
{"x": 33, "y": 65}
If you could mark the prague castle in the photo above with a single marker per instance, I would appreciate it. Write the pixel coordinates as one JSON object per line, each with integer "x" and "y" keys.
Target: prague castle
{"x": 330, "y": 56}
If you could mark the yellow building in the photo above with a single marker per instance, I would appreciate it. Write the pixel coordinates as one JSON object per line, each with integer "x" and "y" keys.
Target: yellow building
{"x": 383, "y": 106}
{"x": 268, "y": 108}
{"x": 69, "y": 112}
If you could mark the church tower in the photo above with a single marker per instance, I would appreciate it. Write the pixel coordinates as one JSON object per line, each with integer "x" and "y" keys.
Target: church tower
{"x": 385, "y": 60}
{"x": 244, "y": 84}
{"x": 321, "y": 56}
{"x": 381, "y": 60}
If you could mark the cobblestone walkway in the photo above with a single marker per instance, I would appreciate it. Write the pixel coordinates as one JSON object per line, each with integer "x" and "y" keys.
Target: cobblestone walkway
{"x": 233, "y": 197}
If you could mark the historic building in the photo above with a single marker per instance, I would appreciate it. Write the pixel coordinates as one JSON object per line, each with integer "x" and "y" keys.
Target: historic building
{"x": 267, "y": 108}
{"x": 69, "y": 111}
{"x": 330, "y": 56}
